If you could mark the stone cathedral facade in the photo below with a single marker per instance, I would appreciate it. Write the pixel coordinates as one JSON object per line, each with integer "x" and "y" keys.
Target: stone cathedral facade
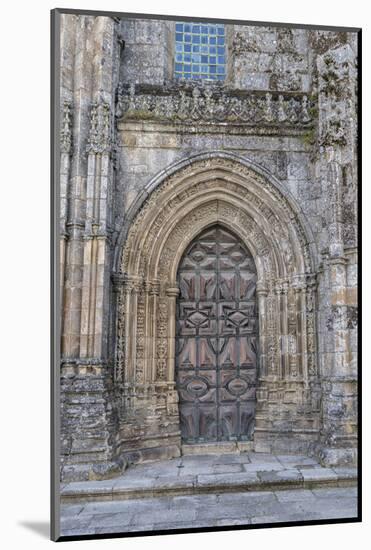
{"x": 208, "y": 254}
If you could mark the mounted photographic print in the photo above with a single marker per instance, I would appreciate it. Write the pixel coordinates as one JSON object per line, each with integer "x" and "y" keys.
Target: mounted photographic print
{"x": 205, "y": 275}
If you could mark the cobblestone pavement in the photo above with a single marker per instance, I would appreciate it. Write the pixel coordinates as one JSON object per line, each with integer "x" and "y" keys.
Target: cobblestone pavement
{"x": 214, "y": 477}
{"x": 208, "y": 510}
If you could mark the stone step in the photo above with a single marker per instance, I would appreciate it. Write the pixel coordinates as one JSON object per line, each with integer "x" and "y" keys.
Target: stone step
{"x": 124, "y": 488}
{"x": 220, "y": 447}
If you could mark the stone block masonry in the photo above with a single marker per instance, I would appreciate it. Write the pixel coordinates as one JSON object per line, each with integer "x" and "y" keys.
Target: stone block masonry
{"x": 148, "y": 162}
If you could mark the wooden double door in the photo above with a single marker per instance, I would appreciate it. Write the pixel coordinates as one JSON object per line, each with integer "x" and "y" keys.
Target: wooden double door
{"x": 217, "y": 338}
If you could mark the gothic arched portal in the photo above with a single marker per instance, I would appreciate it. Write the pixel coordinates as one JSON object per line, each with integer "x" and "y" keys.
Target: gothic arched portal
{"x": 216, "y": 338}
{"x": 253, "y": 207}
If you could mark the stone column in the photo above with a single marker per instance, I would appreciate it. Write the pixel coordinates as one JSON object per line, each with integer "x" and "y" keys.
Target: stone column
{"x": 262, "y": 386}
{"x": 284, "y": 331}
{"x": 172, "y": 294}
{"x": 96, "y": 278}
{"x": 280, "y": 328}
{"x": 301, "y": 309}
{"x": 65, "y": 167}
{"x": 89, "y": 419}
{"x": 153, "y": 301}
{"x": 120, "y": 319}
{"x": 262, "y": 292}
{"x": 339, "y": 375}
{"x": 337, "y": 164}
{"x": 77, "y": 76}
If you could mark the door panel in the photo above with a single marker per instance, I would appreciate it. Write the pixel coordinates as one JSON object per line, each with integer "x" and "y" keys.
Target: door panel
{"x": 216, "y": 348}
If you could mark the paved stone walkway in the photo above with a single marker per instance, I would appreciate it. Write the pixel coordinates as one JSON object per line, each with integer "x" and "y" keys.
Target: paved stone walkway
{"x": 210, "y": 490}
{"x": 211, "y": 473}
{"x": 191, "y": 511}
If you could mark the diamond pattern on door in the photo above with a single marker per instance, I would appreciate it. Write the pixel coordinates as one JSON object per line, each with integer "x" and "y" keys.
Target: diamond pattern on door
{"x": 217, "y": 335}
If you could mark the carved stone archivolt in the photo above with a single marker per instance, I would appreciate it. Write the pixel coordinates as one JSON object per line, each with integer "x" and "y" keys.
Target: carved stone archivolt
{"x": 234, "y": 195}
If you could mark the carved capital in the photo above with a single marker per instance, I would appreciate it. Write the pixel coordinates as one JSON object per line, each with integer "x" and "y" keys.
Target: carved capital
{"x": 337, "y": 260}
{"x": 136, "y": 285}
{"x": 281, "y": 286}
{"x": 154, "y": 288}
{"x": 172, "y": 292}
{"x": 261, "y": 289}
{"x": 118, "y": 280}
{"x": 311, "y": 280}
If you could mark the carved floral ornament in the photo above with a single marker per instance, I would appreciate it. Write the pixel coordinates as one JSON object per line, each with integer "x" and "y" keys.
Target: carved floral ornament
{"x": 206, "y": 192}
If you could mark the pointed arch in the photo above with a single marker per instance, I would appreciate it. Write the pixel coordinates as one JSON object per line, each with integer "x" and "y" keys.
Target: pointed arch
{"x": 232, "y": 162}
{"x": 216, "y": 188}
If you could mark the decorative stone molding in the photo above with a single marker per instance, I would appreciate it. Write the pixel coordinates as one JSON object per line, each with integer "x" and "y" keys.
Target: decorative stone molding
{"x": 334, "y": 77}
{"x": 66, "y": 128}
{"x": 337, "y": 102}
{"x": 212, "y": 103}
{"x": 100, "y": 138}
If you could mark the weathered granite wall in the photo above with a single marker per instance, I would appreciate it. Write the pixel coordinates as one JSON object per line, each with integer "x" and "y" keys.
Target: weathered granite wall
{"x": 288, "y": 106}
{"x": 90, "y": 52}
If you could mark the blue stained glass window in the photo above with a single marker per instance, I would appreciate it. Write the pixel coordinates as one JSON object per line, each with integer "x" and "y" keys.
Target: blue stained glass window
{"x": 194, "y": 39}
